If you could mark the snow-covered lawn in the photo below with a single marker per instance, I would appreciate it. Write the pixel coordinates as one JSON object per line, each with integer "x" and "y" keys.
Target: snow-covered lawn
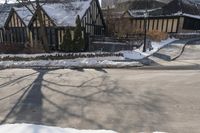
{"x": 80, "y": 63}
{"x": 86, "y": 62}
{"x": 30, "y": 128}
{"x": 138, "y": 54}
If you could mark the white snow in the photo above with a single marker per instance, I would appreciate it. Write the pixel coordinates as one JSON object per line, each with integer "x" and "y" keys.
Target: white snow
{"x": 4, "y": 13}
{"x": 180, "y": 13}
{"x": 24, "y": 14}
{"x": 50, "y": 54}
{"x": 66, "y": 14}
{"x": 159, "y": 132}
{"x": 63, "y": 14}
{"x": 141, "y": 13}
{"x": 155, "y": 132}
{"x": 9, "y": 1}
{"x": 105, "y": 62}
{"x": 138, "y": 54}
{"x": 80, "y": 63}
{"x": 30, "y": 128}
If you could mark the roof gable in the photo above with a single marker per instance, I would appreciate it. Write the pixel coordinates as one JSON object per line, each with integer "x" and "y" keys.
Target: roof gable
{"x": 24, "y": 14}
{"x": 66, "y": 14}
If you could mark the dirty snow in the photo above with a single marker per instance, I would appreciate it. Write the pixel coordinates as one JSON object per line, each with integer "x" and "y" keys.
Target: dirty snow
{"x": 138, "y": 54}
{"x": 30, "y": 128}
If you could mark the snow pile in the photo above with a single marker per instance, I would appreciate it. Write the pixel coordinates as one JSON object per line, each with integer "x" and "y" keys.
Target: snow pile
{"x": 138, "y": 54}
{"x": 82, "y": 63}
{"x": 30, "y": 128}
{"x": 57, "y": 54}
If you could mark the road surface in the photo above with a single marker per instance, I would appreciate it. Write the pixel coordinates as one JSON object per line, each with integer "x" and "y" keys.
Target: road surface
{"x": 123, "y": 100}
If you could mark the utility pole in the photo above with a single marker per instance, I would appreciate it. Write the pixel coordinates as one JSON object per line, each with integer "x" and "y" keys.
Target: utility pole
{"x": 145, "y": 26}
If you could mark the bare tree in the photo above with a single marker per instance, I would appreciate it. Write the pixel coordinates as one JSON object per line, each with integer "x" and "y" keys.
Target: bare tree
{"x": 35, "y": 8}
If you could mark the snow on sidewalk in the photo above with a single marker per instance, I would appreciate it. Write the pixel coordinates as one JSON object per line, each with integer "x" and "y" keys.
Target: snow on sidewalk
{"x": 81, "y": 63}
{"x": 138, "y": 54}
{"x": 30, "y": 128}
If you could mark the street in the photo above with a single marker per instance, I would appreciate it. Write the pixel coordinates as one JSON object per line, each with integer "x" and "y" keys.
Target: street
{"x": 123, "y": 100}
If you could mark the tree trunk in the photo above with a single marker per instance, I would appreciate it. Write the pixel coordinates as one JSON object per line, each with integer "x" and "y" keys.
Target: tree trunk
{"x": 42, "y": 29}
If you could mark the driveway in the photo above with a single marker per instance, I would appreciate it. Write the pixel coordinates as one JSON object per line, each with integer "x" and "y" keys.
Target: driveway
{"x": 124, "y": 100}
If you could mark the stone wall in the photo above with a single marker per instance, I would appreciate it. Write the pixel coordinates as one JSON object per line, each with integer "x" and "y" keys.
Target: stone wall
{"x": 107, "y": 44}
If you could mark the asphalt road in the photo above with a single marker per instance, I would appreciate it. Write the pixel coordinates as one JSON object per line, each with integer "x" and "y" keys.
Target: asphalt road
{"x": 124, "y": 100}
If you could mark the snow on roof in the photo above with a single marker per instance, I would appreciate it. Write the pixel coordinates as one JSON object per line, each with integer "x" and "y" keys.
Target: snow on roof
{"x": 3, "y": 17}
{"x": 66, "y": 14}
{"x": 187, "y": 15}
{"x": 191, "y": 16}
{"x": 4, "y": 13}
{"x": 140, "y": 13}
{"x": 24, "y": 14}
{"x": 185, "y": 6}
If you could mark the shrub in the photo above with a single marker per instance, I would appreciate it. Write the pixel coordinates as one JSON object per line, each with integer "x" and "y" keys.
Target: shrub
{"x": 66, "y": 46}
{"x": 156, "y": 35}
{"x": 10, "y": 48}
{"x": 79, "y": 43}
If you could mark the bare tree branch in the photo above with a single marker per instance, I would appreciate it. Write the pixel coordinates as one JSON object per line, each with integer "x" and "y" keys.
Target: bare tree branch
{"x": 25, "y": 5}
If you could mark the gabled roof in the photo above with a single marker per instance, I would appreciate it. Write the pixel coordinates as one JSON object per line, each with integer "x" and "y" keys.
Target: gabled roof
{"x": 65, "y": 14}
{"x": 24, "y": 14}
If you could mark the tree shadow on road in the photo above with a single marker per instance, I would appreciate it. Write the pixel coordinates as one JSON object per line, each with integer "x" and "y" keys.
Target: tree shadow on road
{"x": 29, "y": 102}
{"x": 29, "y": 108}
{"x": 96, "y": 102}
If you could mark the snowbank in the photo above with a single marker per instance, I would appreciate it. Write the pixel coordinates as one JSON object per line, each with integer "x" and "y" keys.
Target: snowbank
{"x": 30, "y": 128}
{"x": 52, "y": 54}
{"x": 138, "y": 54}
{"x": 81, "y": 63}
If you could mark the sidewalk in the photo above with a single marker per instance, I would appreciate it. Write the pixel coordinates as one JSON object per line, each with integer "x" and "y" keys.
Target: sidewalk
{"x": 181, "y": 54}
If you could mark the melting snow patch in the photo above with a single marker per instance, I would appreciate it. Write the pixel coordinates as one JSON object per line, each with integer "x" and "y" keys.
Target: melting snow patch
{"x": 30, "y": 128}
